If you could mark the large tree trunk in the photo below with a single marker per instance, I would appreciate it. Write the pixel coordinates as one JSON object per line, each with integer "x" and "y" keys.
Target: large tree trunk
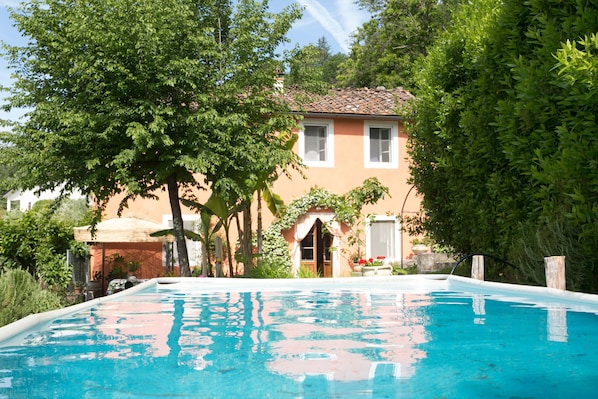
{"x": 177, "y": 225}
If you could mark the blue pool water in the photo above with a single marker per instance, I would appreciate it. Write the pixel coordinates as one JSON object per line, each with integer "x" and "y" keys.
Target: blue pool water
{"x": 410, "y": 338}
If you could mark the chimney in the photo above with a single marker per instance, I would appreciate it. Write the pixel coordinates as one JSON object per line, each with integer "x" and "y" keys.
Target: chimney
{"x": 279, "y": 79}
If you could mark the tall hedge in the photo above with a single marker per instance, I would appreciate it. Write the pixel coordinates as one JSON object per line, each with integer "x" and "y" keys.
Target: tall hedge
{"x": 504, "y": 142}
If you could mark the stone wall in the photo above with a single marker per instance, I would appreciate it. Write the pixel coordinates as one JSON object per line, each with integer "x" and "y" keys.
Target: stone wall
{"x": 433, "y": 262}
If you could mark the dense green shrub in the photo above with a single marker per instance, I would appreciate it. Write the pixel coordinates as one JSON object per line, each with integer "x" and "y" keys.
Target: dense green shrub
{"x": 52, "y": 268}
{"x": 37, "y": 240}
{"x": 270, "y": 268}
{"x": 21, "y": 295}
{"x": 503, "y": 141}
{"x": 306, "y": 272}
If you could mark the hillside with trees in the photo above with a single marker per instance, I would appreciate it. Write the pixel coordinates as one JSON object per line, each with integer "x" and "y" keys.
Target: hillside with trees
{"x": 399, "y": 33}
{"x": 316, "y": 61}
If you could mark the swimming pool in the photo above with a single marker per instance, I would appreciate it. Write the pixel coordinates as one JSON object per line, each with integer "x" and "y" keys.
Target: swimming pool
{"x": 399, "y": 337}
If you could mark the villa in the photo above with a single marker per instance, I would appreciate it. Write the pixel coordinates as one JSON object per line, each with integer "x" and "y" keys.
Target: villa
{"x": 345, "y": 137}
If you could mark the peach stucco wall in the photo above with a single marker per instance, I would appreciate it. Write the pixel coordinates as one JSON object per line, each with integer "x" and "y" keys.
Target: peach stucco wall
{"x": 348, "y": 172}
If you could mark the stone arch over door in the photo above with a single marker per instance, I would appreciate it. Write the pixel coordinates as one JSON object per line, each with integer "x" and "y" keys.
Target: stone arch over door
{"x": 302, "y": 228}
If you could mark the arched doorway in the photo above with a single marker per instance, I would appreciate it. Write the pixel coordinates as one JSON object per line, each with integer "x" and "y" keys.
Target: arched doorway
{"x": 315, "y": 250}
{"x": 316, "y": 223}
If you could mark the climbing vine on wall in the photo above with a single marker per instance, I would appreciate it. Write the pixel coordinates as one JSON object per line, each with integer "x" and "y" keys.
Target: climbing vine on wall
{"x": 347, "y": 209}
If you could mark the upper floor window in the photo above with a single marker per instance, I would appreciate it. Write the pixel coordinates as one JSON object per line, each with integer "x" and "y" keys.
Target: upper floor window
{"x": 381, "y": 145}
{"x": 316, "y": 144}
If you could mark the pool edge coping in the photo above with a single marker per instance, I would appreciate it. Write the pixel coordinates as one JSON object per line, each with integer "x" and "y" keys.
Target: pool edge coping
{"x": 543, "y": 292}
{"x": 15, "y": 328}
{"x": 12, "y": 330}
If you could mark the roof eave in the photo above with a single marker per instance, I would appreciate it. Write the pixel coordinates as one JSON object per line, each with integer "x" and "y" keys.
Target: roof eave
{"x": 347, "y": 116}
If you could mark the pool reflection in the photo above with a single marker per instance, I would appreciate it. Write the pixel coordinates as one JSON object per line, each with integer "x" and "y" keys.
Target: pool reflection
{"x": 351, "y": 342}
{"x": 305, "y": 344}
{"x": 556, "y": 324}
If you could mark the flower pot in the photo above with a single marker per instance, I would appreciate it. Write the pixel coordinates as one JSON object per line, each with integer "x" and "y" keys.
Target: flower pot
{"x": 95, "y": 287}
{"x": 384, "y": 270}
{"x": 420, "y": 249}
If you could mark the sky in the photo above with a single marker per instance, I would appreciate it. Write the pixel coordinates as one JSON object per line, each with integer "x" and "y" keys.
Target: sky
{"x": 336, "y": 20}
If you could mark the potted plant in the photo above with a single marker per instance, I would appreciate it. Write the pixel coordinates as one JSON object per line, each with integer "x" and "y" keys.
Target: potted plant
{"x": 375, "y": 266}
{"x": 95, "y": 285}
{"x": 370, "y": 192}
{"x": 420, "y": 245}
{"x": 354, "y": 261}
{"x": 132, "y": 266}
{"x": 122, "y": 268}
{"x": 78, "y": 287}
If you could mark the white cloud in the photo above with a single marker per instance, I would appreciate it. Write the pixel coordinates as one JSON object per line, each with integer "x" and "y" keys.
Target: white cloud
{"x": 339, "y": 28}
{"x": 9, "y": 3}
{"x": 352, "y": 15}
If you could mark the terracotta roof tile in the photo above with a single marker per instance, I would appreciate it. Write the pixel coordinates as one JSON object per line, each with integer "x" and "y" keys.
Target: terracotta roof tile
{"x": 364, "y": 101}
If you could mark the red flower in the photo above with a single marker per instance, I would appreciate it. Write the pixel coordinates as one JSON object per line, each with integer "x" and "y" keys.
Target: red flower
{"x": 378, "y": 261}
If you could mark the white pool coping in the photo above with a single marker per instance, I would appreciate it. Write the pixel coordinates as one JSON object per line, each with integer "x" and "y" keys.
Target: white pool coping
{"x": 35, "y": 320}
{"x": 535, "y": 296}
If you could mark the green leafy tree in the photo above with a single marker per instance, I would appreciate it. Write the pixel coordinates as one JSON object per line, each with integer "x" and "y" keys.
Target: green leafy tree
{"x": 261, "y": 190}
{"x": 503, "y": 141}
{"x": 386, "y": 47}
{"x": 315, "y": 62}
{"x": 235, "y": 199}
{"x": 5, "y": 173}
{"x": 132, "y": 97}
{"x": 224, "y": 211}
{"x": 258, "y": 163}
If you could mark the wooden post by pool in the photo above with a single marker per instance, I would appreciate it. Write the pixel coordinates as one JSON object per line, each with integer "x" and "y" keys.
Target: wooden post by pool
{"x": 554, "y": 267}
{"x": 477, "y": 267}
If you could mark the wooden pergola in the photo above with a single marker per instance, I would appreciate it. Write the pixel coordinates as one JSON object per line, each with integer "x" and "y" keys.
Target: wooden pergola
{"x": 121, "y": 230}
{"x": 127, "y": 229}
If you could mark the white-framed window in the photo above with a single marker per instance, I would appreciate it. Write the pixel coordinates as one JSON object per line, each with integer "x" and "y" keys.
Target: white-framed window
{"x": 381, "y": 144}
{"x": 191, "y": 223}
{"x": 383, "y": 238}
{"x": 316, "y": 142}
